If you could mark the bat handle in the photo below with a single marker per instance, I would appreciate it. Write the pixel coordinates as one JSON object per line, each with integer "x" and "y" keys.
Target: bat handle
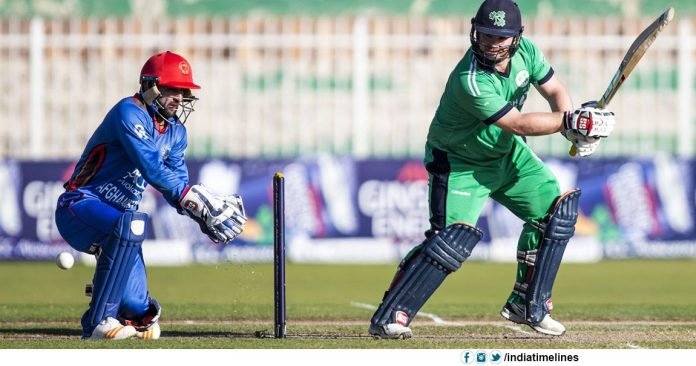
{"x": 573, "y": 151}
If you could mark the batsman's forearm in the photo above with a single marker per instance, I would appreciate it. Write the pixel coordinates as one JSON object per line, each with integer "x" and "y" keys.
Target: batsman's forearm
{"x": 538, "y": 123}
{"x": 559, "y": 100}
{"x": 561, "y": 103}
{"x": 556, "y": 95}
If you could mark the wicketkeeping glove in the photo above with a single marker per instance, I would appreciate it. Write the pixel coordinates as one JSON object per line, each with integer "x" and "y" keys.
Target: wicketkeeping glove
{"x": 221, "y": 218}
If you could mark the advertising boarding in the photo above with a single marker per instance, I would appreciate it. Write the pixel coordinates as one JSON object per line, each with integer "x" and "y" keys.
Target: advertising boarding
{"x": 339, "y": 209}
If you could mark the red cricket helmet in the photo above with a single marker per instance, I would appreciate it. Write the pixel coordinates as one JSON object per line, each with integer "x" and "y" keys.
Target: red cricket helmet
{"x": 170, "y": 69}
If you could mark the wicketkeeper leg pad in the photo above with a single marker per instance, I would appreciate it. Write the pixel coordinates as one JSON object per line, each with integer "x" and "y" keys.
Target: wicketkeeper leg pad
{"x": 135, "y": 301}
{"x": 543, "y": 263}
{"x": 119, "y": 255}
{"x": 422, "y": 272}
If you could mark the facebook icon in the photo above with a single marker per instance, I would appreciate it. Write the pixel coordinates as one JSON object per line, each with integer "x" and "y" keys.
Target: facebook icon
{"x": 467, "y": 357}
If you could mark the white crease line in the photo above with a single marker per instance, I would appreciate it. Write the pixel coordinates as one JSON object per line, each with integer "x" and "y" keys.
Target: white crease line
{"x": 516, "y": 329}
{"x": 633, "y": 346}
{"x": 437, "y": 320}
{"x": 363, "y": 305}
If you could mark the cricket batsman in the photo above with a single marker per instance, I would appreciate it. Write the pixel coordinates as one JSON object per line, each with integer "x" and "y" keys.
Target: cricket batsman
{"x": 476, "y": 149}
{"x": 141, "y": 141}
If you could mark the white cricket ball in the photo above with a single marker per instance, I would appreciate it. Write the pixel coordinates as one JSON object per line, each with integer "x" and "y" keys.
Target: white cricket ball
{"x": 65, "y": 260}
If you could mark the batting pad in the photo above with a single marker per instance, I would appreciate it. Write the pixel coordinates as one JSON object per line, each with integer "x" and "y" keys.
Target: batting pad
{"x": 118, "y": 256}
{"x": 559, "y": 228}
{"x": 424, "y": 271}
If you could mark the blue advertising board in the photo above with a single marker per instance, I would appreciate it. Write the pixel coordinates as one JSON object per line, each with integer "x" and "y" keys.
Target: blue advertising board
{"x": 341, "y": 209}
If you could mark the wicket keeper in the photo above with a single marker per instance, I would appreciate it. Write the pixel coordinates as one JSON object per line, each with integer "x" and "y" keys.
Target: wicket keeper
{"x": 141, "y": 141}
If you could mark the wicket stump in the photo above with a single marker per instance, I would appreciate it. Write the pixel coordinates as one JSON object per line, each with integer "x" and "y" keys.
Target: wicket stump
{"x": 280, "y": 326}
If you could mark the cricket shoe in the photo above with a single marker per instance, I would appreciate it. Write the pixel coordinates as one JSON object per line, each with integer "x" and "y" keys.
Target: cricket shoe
{"x": 151, "y": 333}
{"x": 390, "y": 331}
{"x": 111, "y": 328}
{"x": 515, "y": 314}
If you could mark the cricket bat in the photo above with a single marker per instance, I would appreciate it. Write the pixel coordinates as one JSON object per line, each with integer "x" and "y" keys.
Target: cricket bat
{"x": 631, "y": 58}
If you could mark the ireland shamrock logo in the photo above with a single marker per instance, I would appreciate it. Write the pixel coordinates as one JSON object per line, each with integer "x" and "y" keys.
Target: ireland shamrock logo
{"x": 498, "y": 18}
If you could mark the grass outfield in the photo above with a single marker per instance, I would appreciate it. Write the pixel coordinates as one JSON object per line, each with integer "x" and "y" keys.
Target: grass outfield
{"x": 613, "y": 304}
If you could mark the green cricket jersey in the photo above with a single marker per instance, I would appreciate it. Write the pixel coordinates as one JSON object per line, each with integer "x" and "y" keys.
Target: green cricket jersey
{"x": 475, "y": 97}
{"x": 470, "y": 160}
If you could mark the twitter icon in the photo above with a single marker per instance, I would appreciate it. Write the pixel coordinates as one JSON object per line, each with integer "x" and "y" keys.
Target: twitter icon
{"x": 496, "y": 357}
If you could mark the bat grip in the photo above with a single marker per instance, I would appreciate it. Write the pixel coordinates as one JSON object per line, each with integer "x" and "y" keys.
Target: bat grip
{"x": 573, "y": 151}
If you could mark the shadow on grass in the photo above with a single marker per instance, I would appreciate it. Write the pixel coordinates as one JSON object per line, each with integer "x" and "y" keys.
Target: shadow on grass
{"x": 71, "y": 332}
{"x": 211, "y": 334}
{"x": 38, "y": 332}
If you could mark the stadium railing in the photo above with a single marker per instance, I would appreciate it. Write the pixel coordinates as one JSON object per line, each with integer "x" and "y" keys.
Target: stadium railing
{"x": 280, "y": 86}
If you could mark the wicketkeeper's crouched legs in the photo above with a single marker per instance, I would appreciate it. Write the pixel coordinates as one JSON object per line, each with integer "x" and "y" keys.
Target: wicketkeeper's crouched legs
{"x": 137, "y": 308}
{"x": 540, "y": 252}
{"x": 119, "y": 255}
{"x": 419, "y": 275}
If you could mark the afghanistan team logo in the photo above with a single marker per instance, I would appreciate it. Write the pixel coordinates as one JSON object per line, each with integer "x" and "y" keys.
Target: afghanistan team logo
{"x": 498, "y": 18}
{"x": 184, "y": 68}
